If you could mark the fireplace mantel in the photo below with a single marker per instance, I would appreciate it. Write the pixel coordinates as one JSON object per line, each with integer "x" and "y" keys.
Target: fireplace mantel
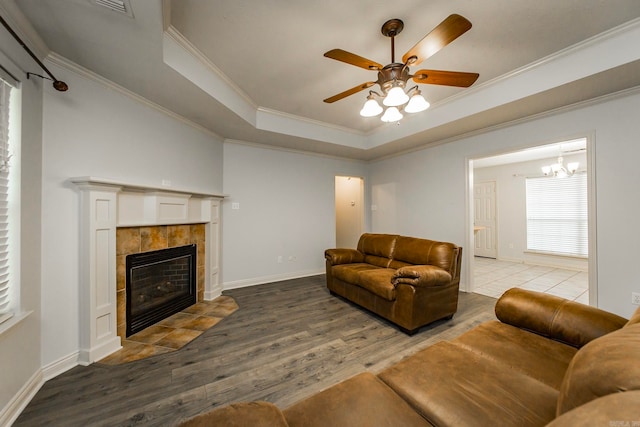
{"x": 107, "y": 204}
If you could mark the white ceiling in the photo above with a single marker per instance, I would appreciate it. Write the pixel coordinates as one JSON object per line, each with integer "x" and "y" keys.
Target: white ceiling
{"x": 254, "y": 70}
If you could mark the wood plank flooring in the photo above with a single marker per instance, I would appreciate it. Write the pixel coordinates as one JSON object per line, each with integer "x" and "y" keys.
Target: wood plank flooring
{"x": 287, "y": 341}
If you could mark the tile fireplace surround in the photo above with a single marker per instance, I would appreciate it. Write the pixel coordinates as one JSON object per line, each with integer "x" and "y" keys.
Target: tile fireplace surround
{"x": 119, "y": 218}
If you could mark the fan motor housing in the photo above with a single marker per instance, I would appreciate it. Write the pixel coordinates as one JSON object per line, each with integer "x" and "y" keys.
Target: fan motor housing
{"x": 393, "y": 72}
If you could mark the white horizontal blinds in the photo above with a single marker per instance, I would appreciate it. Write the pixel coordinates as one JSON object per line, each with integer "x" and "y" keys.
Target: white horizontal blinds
{"x": 557, "y": 215}
{"x": 5, "y": 91}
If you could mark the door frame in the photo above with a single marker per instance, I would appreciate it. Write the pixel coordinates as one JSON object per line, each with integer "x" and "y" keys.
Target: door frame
{"x": 468, "y": 258}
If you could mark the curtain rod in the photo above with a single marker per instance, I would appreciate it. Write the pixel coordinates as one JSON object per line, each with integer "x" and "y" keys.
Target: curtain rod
{"x": 57, "y": 84}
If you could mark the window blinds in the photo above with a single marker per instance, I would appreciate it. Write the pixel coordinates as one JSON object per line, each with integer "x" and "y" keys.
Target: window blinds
{"x": 557, "y": 215}
{"x": 5, "y": 92}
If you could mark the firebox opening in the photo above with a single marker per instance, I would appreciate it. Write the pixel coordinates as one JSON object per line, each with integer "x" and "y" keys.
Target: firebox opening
{"x": 158, "y": 284}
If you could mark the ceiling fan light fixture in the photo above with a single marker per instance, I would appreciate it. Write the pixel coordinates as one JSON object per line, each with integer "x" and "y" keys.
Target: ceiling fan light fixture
{"x": 395, "y": 97}
{"x": 371, "y": 108}
{"x": 392, "y": 114}
{"x": 417, "y": 103}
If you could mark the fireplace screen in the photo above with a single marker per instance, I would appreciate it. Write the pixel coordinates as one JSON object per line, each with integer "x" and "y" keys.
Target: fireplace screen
{"x": 159, "y": 284}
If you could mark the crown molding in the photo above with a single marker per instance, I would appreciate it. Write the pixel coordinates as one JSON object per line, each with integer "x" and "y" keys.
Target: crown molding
{"x": 292, "y": 150}
{"x": 555, "y": 111}
{"x": 71, "y": 66}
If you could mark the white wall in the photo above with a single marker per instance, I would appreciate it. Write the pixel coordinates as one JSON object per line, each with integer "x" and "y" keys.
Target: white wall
{"x": 95, "y": 130}
{"x": 20, "y": 344}
{"x": 287, "y": 208}
{"x": 423, "y": 193}
{"x": 511, "y": 209}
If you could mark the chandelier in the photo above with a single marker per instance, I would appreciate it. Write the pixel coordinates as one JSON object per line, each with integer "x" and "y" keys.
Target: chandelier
{"x": 558, "y": 169}
{"x": 395, "y": 101}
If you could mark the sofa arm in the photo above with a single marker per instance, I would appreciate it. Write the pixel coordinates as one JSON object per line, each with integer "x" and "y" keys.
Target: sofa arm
{"x": 421, "y": 275}
{"x": 554, "y": 317}
{"x": 343, "y": 256}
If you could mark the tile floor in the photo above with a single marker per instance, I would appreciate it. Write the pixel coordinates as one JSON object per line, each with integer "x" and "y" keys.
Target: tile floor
{"x": 174, "y": 332}
{"x": 492, "y": 277}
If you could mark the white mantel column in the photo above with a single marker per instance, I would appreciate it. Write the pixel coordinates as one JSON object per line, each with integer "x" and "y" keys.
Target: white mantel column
{"x": 98, "y": 306}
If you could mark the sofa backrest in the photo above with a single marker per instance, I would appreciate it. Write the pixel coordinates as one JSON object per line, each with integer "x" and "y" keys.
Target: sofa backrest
{"x": 415, "y": 251}
{"x": 394, "y": 251}
{"x": 377, "y": 248}
{"x": 609, "y": 364}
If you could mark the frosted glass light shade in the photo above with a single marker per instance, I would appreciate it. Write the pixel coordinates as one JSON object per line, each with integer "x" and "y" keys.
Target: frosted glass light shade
{"x": 416, "y": 104}
{"x": 546, "y": 170}
{"x": 391, "y": 115}
{"x": 395, "y": 97}
{"x": 573, "y": 166}
{"x": 371, "y": 108}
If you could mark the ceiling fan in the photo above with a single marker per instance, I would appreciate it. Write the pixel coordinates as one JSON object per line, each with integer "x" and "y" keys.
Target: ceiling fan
{"x": 393, "y": 77}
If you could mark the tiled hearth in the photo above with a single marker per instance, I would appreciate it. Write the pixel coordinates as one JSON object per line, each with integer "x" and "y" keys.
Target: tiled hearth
{"x": 174, "y": 332}
{"x": 133, "y": 240}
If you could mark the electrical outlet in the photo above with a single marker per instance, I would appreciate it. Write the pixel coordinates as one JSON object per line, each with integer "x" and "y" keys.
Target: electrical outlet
{"x": 235, "y": 205}
{"x": 635, "y": 298}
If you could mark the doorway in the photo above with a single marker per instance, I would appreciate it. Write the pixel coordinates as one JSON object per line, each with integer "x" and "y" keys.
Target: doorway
{"x": 349, "y": 199}
{"x": 511, "y": 171}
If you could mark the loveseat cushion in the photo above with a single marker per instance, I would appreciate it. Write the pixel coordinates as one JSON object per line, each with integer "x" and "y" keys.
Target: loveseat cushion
{"x": 531, "y": 354}
{"x": 378, "y": 282}
{"x": 350, "y": 272}
{"x": 554, "y": 317}
{"x": 412, "y": 250}
{"x": 362, "y": 400}
{"x": 256, "y": 414}
{"x": 377, "y": 248}
{"x": 606, "y": 365}
{"x": 450, "y": 385}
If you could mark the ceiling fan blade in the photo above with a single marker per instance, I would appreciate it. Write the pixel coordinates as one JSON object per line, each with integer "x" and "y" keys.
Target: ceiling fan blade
{"x": 445, "y": 78}
{"x": 349, "y": 92}
{"x": 353, "y": 59}
{"x": 447, "y": 31}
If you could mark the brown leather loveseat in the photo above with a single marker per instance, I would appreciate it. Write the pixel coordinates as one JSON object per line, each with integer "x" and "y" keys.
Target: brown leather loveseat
{"x": 409, "y": 281}
{"x": 545, "y": 361}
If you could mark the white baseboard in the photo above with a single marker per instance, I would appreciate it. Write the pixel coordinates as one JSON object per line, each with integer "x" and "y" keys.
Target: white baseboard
{"x": 60, "y": 366}
{"x": 269, "y": 279}
{"x": 16, "y": 405}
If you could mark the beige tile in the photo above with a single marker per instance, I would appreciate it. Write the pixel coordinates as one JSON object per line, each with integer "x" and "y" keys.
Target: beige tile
{"x": 121, "y": 306}
{"x": 201, "y": 254}
{"x": 197, "y": 233}
{"x": 201, "y": 323}
{"x": 178, "y": 235}
{"x": 178, "y": 338}
{"x": 178, "y": 320}
{"x": 127, "y": 240}
{"x": 121, "y": 272}
{"x": 151, "y": 335}
{"x": 153, "y": 238}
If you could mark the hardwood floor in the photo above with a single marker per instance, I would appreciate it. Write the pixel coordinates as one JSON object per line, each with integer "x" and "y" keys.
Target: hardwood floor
{"x": 287, "y": 341}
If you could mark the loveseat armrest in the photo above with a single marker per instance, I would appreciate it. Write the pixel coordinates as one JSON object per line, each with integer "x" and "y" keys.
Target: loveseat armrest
{"x": 554, "y": 317}
{"x": 343, "y": 256}
{"x": 421, "y": 275}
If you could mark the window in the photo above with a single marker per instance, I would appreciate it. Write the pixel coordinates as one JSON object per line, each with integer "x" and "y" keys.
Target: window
{"x": 557, "y": 215}
{"x": 5, "y": 294}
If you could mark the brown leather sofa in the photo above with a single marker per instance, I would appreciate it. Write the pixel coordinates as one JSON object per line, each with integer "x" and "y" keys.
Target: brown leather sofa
{"x": 545, "y": 361}
{"x": 409, "y": 281}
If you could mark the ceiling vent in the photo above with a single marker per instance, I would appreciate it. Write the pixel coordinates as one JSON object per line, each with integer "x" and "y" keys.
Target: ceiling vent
{"x": 120, "y": 6}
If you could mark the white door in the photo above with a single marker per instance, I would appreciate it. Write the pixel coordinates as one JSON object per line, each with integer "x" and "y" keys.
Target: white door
{"x": 484, "y": 219}
{"x": 349, "y": 211}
